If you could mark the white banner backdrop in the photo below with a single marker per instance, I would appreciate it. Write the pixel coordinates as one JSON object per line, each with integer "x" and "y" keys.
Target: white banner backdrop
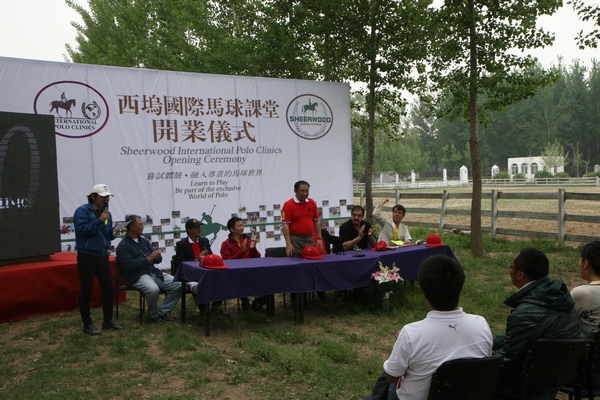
{"x": 174, "y": 145}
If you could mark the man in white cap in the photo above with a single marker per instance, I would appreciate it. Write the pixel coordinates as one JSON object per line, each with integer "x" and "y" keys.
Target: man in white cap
{"x": 93, "y": 234}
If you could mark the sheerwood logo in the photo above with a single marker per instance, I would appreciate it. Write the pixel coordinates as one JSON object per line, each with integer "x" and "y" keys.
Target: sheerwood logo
{"x": 79, "y": 110}
{"x": 309, "y": 116}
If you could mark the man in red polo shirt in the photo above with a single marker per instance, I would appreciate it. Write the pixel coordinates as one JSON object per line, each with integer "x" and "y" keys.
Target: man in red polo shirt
{"x": 301, "y": 221}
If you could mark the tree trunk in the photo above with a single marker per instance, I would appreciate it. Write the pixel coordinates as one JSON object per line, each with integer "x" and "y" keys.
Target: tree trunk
{"x": 476, "y": 239}
{"x": 371, "y": 105}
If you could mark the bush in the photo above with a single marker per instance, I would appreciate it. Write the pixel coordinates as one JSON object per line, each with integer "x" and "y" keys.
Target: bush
{"x": 502, "y": 175}
{"x": 519, "y": 176}
{"x": 563, "y": 175}
{"x": 544, "y": 173}
{"x": 592, "y": 174}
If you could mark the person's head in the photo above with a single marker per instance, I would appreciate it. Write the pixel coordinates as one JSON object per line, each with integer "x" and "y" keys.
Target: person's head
{"x": 193, "y": 228}
{"x": 135, "y": 228}
{"x": 99, "y": 196}
{"x": 528, "y": 265}
{"x": 236, "y": 226}
{"x": 357, "y": 215}
{"x": 301, "y": 190}
{"x": 398, "y": 213}
{"x": 441, "y": 279}
{"x": 589, "y": 261}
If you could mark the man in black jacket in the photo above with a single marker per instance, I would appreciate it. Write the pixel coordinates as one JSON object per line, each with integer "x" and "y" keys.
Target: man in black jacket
{"x": 194, "y": 248}
{"x": 541, "y": 309}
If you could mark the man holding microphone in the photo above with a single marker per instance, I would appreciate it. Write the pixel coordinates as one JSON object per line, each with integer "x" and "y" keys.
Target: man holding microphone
{"x": 93, "y": 234}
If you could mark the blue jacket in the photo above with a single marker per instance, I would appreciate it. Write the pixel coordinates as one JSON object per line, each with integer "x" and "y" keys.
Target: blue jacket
{"x": 92, "y": 235}
{"x": 133, "y": 259}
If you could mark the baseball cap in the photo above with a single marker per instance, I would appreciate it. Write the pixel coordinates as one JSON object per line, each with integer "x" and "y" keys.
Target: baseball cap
{"x": 102, "y": 190}
{"x": 192, "y": 223}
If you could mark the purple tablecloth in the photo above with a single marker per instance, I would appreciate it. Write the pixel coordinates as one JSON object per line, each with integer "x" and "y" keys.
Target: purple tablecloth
{"x": 262, "y": 276}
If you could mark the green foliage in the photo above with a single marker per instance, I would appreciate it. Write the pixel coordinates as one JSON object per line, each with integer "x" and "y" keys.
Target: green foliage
{"x": 502, "y": 77}
{"x": 554, "y": 156}
{"x": 587, "y": 12}
{"x": 591, "y": 174}
{"x": 544, "y": 173}
{"x": 563, "y": 175}
{"x": 502, "y": 175}
{"x": 519, "y": 176}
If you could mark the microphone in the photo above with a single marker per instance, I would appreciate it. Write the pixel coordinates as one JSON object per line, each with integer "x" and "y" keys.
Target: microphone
{"x": 105, "y": 208}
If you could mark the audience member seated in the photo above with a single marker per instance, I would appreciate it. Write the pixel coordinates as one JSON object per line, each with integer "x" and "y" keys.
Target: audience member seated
{"x": 194, "y": 248}
{"x": 587, "y": 297}
{"x": 356, "y": 231}
{"x": 541, "y": 309}
{"x": 137, "y": 259}
{"x": 392, "y": 229}
{"x": 447, "y": 333}
{"x": 241, "y": 245}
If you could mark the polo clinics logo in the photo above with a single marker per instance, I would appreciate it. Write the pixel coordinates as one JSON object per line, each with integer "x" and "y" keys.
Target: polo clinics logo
{"x": 79, "y": 110}
{"x": 309, "y": 116}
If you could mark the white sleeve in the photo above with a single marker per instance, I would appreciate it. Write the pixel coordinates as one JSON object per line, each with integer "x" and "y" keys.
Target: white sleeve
{"x": 377, "y": 215}
{"x": 582, "y": 298}
{"x": 397, "y": 364}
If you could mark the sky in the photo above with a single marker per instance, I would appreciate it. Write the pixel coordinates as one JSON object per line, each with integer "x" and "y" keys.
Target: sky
{"x": 40, "y": 29}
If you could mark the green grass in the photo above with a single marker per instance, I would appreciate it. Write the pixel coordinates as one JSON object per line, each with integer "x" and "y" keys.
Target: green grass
{"x": 337, "y": 354}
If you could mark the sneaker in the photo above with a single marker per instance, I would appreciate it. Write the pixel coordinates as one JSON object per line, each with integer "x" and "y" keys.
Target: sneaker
{"x": 90, "y": 329}
{"x": 165, "y": 317}
{"x": 110, "y": 324}
{"x": 193, "y": 287}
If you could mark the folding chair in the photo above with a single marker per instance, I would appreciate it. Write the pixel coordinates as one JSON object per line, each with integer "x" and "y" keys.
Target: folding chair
{"x": 274, "y": 252}
{"x": 119, "y": 287}
{"x": 466, "y": 378}
{"x": 553, "y": 363}
{"x": 589, "y": 379}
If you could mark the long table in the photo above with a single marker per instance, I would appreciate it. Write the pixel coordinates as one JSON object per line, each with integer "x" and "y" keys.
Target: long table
{"x": 268, "y": 276}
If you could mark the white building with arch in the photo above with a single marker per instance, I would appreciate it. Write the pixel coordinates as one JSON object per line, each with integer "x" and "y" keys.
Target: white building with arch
{"x": 528, "y": 166}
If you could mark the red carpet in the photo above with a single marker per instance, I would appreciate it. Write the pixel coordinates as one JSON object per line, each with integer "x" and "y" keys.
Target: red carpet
{"x": 41, "y": 288}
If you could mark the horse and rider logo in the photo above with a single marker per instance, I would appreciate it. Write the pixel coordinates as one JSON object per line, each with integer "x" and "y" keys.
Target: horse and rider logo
{"x": 90, "y": 111}
{"x": 62, "y": 99}
{"x": 309, "y": 116}
{"x": 211, "y": 228}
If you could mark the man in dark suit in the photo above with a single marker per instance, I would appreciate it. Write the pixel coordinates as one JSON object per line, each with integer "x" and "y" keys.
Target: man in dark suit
{"x": 194, "y": 248}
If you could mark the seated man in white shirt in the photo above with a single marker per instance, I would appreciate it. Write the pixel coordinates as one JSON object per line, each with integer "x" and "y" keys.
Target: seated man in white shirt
{"x": 392, "y": 229}
{"x": 447, "y": 333}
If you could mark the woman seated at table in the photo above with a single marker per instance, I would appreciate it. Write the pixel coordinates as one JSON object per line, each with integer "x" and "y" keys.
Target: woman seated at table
{"x": 241, "y": 245}
{"x": 587, "y": 297}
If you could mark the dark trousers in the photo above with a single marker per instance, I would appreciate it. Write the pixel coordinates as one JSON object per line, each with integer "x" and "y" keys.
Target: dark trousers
{"x": 383, "y": 390}
{"x": 260, "y": 301}
{"x": 88, "y": 267}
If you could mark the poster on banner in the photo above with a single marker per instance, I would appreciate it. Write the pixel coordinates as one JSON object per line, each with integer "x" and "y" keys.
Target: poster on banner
{"x": 174, "y": 145}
